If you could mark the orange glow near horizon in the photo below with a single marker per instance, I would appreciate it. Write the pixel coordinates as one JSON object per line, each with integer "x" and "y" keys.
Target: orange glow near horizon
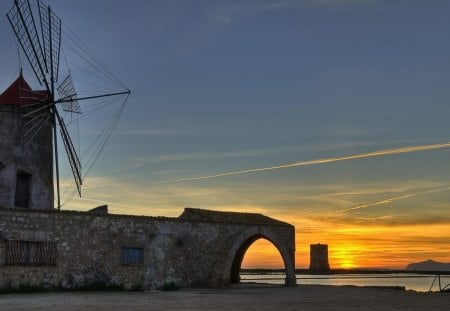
{"x": 262, "y": 254}
{"x": 391, "y": 238}
{"x": 343, "y": 256}
{"x": 404, "y": 225}
{"x": 351, "y": 246}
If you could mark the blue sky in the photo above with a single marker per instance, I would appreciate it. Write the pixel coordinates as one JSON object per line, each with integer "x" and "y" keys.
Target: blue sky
{"x": 221, "y": 86}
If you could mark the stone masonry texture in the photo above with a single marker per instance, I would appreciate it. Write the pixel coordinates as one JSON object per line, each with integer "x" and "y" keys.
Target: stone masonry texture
{"x": 196, "y": 249}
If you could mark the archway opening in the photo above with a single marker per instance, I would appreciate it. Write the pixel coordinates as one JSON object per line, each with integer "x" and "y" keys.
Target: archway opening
{"x": 258, "y": 260}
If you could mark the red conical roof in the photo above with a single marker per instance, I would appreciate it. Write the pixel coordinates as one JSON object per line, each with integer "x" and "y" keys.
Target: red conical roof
{"x": 19, "y": 93}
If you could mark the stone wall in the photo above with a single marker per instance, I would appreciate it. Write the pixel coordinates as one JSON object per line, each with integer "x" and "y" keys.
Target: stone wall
{"x": 89, "y": 249}
{"x": 34, "y": 159}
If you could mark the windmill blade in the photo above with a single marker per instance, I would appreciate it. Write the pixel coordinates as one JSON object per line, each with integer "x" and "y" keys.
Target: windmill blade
{"x": 22, "y": 22}
{"x": 66, "y": 91}
{"x": 71, "y": 153}
{"x": 51, "y": 38}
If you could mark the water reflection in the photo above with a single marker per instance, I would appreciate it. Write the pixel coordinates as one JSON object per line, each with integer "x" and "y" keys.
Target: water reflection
{"x": 411, "y": 281}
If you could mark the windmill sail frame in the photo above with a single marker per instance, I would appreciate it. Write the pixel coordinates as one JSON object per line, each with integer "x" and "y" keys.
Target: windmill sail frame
{"x": 51, "y": 38}
{"x": 71, "y": 153}
{"x": 67, "y": 91}
{"x": 22, "y": 22}
{"x": 42, "y": 51}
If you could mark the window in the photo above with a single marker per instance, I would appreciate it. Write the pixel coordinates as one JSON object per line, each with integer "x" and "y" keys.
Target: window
{"x": 23, "y": 185}
{"x": 30, "y": 253}
{"x": 132, "y": 256}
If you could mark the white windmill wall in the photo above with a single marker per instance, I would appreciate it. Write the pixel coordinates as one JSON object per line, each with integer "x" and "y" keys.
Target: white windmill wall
{"x": 34, "y": 160}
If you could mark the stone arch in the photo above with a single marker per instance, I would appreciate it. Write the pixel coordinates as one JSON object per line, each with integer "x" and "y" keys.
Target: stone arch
{"x": 245, "y": 240}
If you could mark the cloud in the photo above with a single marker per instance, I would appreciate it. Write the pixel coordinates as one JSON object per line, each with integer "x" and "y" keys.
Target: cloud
{"x": 131, "y": 197}
{"x": 157, "y": 132}
{"x": 230, "y": 12}
{"x": 171, "y": 128}
{"x": 320, "y": 161}
{"x": 390, "y": 200}
{"x": 142, "y": 161}
{"x": 337, "y": 2}
{"x": 201, "y": 156}
{"x": 309, "y": 207}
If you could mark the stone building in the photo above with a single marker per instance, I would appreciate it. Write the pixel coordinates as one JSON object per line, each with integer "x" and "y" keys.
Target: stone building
{"x": 26, "y": 152}
{"x": 46, "y": 248}
{"x": 319, "y": 258}
{"x": 69, "y": 250}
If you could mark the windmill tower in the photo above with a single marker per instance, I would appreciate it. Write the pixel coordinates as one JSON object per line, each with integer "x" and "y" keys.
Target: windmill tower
{"x": 30, "y": 120}
{"x": 26, "y": 170}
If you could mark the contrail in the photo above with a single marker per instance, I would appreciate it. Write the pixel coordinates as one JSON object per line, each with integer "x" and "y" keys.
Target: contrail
{"x": 320, "y": 161}
{"x": 390, "y": 200}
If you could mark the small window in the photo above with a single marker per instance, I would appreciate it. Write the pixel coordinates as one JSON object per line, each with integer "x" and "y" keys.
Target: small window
{"x": 132, "y": 256}
{"x": 23, "y": 186}
{"x": 30, "y": 253}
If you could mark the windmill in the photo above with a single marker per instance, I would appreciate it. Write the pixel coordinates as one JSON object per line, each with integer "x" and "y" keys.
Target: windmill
{"x": 38, "y": 31}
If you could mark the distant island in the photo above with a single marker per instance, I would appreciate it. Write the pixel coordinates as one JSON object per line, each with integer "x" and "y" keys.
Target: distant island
{"x": 428, "y": 265}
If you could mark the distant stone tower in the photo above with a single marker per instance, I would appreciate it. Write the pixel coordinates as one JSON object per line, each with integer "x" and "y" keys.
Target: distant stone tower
{"x": 26, "y": 149}
{"x": 319, "y": 258}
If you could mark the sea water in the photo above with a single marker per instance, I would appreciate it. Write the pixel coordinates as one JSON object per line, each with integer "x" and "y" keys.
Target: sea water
{"x": 411, "y": 281}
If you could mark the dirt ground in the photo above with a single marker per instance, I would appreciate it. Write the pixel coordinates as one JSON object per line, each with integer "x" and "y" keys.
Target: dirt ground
{"x": 260, "y": 297}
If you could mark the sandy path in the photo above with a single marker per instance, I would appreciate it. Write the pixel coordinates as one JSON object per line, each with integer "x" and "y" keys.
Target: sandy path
{"x": 307, "y": 297}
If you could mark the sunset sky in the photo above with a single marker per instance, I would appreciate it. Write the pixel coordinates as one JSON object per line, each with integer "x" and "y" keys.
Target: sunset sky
{"x": 224, "y": 87}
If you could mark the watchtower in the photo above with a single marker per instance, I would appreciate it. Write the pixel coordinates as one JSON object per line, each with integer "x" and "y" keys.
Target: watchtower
{"x": 26, "y": 149}
{"x": 319, "y": 258}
